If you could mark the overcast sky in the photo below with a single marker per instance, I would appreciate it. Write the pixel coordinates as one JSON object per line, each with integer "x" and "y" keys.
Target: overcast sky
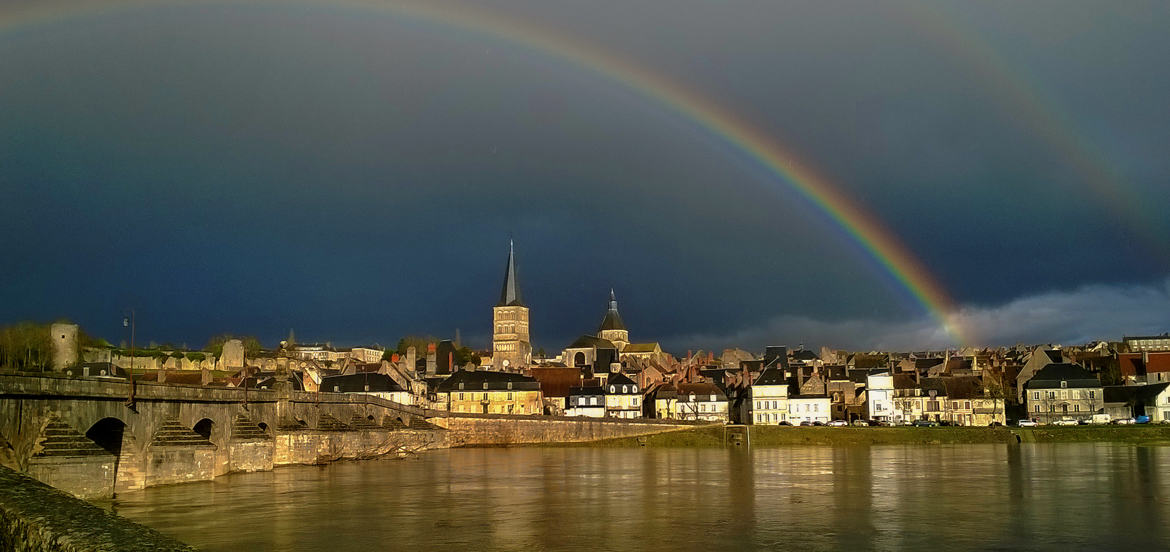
{"x": 251, "y": 168}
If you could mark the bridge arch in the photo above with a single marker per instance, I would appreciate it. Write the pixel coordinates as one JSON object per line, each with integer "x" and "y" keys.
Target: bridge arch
{"x": 204, "y": 427}
{"x": 108, "y": 433}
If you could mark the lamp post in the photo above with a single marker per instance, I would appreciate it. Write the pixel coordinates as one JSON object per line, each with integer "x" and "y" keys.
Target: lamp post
{"x": 130, "y": 322}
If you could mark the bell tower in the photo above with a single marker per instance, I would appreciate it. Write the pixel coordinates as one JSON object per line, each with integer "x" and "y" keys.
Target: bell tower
{"x": 511, "y": 347}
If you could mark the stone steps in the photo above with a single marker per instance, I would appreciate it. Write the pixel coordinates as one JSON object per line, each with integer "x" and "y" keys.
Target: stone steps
{"x": 361, "y": 422}
{"x": 244, "y": 428}
{"x": 59, "y": 439}
{"x": 329, "y": 423}
{"x": 174, "y": 434}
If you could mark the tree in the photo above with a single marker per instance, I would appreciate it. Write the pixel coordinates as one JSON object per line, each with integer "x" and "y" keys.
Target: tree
{"x": 418, "y": 342}
{"x": 995, "y": 391}
{"x": 25, "y": 346}
{"x": 463, "y": 355}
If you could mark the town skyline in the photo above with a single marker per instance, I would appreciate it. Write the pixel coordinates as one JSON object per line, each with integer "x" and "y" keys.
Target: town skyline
{"x": 766, "y": 181}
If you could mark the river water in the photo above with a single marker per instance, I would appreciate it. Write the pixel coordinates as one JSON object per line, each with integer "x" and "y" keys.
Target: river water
{"x": 963, "y": 497}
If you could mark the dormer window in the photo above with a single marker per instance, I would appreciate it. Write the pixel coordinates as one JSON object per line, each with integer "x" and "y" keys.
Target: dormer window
{"x": 625, "y": 389}
{"x": 460, "y": 385}
{"x": 635, "y": 388}
{"x": 1064, "y": 385}
{"x": 509, "y": 385}
{"x": 485, "y": 385}
{"x": 612, "y": 389}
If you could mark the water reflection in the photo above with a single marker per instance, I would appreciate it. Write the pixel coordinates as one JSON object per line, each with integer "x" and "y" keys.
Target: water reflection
{"x": 884, "y": 498}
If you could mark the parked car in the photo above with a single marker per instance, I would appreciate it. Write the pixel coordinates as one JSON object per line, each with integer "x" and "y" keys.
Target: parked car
{"x": 818, "y": 423}
{"x": 1123, "y": 421}
{"x": 783, "y": 423}
{"x": 1100, "y": 419}
{"x": 1142, "y": 420}
{"x": 995, "y": 424}
{"x": 925, "y": 423}
{"x": 1065, "y": 422}
{"x": 838, "y": 423}
{"x": 1027, "y": 423}
{"x": 806, "y": 423}
{"x": 860, "y": 423}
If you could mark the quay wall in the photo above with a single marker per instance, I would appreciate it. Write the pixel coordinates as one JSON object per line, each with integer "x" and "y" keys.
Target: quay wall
{"x": 37, "y": 517}
{"x": 470, "y": 430}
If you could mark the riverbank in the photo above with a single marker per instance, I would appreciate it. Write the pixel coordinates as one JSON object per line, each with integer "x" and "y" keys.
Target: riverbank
{"x": 770, "y": 436}
{"x": 35, "y": 516}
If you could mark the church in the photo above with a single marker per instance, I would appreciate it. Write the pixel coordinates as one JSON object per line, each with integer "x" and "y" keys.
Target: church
{"x": 511, "y": 346}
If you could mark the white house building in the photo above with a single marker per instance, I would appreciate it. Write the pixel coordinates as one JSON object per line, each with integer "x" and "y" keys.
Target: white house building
{"x": 879, "y": 391}
{"x": 586, "y": 401}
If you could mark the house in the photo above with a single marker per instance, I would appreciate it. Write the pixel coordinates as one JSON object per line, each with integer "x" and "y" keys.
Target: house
{"x": 808, "y": 408}
{"x": 642, "y": 351}
{"x": 1038, "y": 360}
{"x": 378, "y": 385}
{"x": 555, "y": 384}
{"x": 623, "y": 399}
{"x": 971, "y": 402}
{"x": 701, "y": 401}
{"x": 661, "y": 401}
{"x": 909, "y": 402}
{"x": 588, "y": 401}
{"x": 1144, "y": 367}
{"x": 1149, "y": 343}
{"x": 1153, "y": 400}
{"x": 768, "y": 399}
{"x": 879, "y": 391}
{"x": 1063, "y": 390}
{"x": 934, "y": 393}
{"x": 490, "y": 393}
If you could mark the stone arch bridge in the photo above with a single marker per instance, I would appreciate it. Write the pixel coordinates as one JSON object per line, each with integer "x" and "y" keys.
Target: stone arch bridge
{"x": 80, "y": 435}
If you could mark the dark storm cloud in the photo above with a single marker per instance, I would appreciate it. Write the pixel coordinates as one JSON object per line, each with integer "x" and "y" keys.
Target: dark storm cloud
{"x": 356, "y": 177}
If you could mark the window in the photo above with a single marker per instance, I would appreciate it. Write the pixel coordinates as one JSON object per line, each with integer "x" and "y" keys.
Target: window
{"x": 967, "y": 405}
{"x": 509, "y": 387}
{"x": 509, "y": 396}
{"x": 1037, "y": 409}
{"x": 1064, "y": 385}
{"x": 1093, "y": 395}
{"x": 461, "y": 387}
{"x": 461, "y": 396}
{"x": 1076, "y": 408}
{"x": 712, "y": 398}
{"x": 625, "y": 389}
{"x": 612, "y": 389}
{"x": 1036, "y": 395}
{"x": 485, "y": 385}
{"x": 635, "y": 389}
{"x": 593, "y": 401}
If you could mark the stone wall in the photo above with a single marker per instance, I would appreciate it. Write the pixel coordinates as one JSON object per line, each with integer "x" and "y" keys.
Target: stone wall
{"x": 35, "y": 516}
{"x": 488, "y": 430}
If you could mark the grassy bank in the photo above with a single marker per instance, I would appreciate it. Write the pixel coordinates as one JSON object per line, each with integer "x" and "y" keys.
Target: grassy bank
{"x": 771, "y": 436}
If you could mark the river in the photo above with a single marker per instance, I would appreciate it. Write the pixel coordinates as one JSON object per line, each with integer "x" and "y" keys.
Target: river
{"x": 962, "y": 497}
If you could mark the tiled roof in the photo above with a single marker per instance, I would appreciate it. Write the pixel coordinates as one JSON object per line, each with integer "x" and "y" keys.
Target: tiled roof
{"x": 474, "y": 381}
{"x": 640, "y": 348}
{"x": 1053, "y": 375}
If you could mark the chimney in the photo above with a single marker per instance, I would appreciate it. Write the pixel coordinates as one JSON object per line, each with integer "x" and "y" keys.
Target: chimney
{"x": 451, "y": 362}
{"x": 394, "y": 358}
{"x": 432, "y": 361}
{"x": 205, "y": 376}
{"x": 411, "y": 358}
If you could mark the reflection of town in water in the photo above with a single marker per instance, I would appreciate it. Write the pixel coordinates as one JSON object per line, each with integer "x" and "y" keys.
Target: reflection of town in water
{"x": 891, "y": 498}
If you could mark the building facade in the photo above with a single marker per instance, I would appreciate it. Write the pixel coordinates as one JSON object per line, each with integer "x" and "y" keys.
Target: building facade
{"x": 1063, "y": 391}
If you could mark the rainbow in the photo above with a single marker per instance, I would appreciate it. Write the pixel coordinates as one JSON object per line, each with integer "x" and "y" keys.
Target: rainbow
{"x": 1031, "y": 107}
{"x": 865, "y": 230}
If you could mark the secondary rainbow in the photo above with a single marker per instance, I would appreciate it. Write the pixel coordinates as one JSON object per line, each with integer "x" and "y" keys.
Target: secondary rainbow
{"x": 885, "y": 248}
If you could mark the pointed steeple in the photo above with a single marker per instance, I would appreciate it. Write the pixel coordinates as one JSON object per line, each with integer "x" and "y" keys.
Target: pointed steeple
{"x": 612, "y": 320}
{"x": 510, "y": 295}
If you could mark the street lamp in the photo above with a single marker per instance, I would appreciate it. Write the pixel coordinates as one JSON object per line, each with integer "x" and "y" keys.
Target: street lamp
{"x": 129, "y": 322}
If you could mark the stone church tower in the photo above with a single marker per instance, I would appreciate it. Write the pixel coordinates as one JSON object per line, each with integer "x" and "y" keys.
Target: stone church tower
{"x": 612, "y": 328}
{"x": 511, "y": 347}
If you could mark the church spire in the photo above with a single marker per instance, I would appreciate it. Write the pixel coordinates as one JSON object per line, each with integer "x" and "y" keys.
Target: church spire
{"x": 612, "y": 320}
{"x": 510, "y": 295}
